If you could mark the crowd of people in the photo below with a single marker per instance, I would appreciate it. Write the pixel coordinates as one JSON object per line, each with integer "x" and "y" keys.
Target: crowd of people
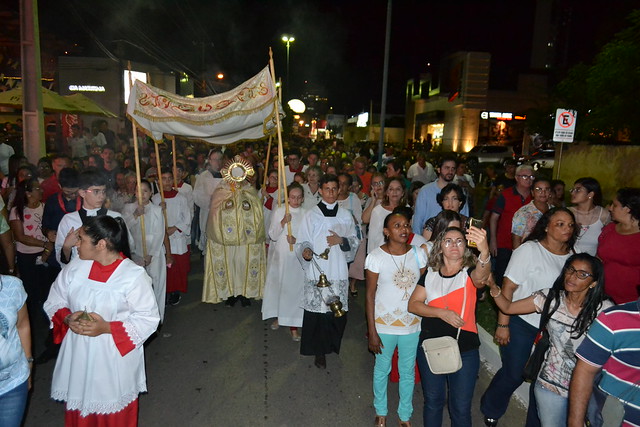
{"x": 100, "y": 255}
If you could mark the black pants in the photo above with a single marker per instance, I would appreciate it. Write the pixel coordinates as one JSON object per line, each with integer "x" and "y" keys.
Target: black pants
{"x": 37, "y": 280}
{"x": 321, "y": 333}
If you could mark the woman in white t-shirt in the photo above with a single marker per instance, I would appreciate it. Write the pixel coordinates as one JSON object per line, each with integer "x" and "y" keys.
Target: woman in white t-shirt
{"x": 533, "y": 266}
{"x": 394, "y": 196}
{"x": 591, "y": 217}
{"x": 392, "y": 271}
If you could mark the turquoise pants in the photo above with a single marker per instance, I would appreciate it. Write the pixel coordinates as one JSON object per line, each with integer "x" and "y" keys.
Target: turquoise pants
{"x": 407, "y": 345}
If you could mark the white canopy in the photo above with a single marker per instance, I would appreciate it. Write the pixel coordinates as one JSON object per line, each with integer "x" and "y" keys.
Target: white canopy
{"x": 243, "y": 113}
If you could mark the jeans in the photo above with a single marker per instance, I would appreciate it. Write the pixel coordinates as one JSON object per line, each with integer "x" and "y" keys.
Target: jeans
{"x": 514, "y": 356}
{"x": 460, "y": 387}
{"x": 12, "y": 405}
{"x": 406, "y": 368}
{"x": 552, "y": 408}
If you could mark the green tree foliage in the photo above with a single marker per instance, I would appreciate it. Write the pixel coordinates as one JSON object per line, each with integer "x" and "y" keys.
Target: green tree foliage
{"x": 607, "y": 93}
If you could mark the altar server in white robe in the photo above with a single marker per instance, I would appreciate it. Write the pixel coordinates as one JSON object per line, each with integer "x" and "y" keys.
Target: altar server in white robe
{"x": 155, "y": 262}
{"x": 285, "y": 276}
{"x": 325, "y": 226}
{"x": 178, "y": 226}
{"x": 102, "y": 309}
{"x": 206, "y": 183}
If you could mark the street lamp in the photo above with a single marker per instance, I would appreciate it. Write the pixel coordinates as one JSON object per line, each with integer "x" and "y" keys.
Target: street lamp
{"x": 288, "y": 40}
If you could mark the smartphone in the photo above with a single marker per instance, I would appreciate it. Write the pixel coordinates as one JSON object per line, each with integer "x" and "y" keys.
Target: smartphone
{"x": 472, "y": 222}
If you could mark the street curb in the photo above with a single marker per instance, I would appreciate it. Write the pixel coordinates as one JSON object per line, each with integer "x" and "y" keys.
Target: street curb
{"x": 490, "y": 355}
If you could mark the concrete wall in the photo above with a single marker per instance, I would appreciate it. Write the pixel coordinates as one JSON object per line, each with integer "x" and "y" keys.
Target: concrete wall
{"x": 613, "y": 166}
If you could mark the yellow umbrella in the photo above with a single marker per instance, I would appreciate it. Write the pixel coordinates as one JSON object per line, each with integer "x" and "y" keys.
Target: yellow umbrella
{"x": 86, "y": 105}
{"x": 51, "y": 101}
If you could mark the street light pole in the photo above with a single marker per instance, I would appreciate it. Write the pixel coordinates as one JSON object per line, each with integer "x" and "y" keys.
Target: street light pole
{"x": 288, "y": 40}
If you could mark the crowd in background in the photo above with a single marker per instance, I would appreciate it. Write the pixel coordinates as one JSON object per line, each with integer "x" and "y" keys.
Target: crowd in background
{"x": 540, "y": 253}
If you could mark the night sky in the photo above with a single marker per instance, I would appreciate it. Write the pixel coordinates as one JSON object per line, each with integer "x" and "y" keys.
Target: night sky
{"x": 339, "y": 45}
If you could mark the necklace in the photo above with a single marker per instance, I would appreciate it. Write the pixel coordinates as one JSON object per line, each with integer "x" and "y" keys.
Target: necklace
{"x": 585, "y": 220}
{"x": 403, "y": 279}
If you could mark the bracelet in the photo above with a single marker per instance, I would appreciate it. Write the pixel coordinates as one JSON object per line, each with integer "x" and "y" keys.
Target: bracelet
{"x": 499, "y": 292}
{"x": 29, "y": 359}
{"x": 485, "y": 262}
{"x": 500, "y": 325}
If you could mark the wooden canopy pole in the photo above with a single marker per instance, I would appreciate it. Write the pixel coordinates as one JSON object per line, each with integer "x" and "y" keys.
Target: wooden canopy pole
{"x": 280, "y": 151}
{"x": 175, "y": 162}
{"x": 266, "y": 165}
{"x": 137, "y": 162}
{"x": 164, "y": 205}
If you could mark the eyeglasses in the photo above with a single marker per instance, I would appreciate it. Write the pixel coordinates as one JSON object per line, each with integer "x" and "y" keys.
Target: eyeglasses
{"x": 377, "y": 183}
{"x": 580, "y": 274}
{"x": 576, "y": 189}
{"x": 96, "y": 191}
{"x": 451, "y": 242}
{"x": 542, "y": 190}
{"x": 527, "y": 177}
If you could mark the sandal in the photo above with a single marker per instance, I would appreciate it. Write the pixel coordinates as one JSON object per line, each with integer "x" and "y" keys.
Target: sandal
{"x": 354, "y": 293}
{"x": 380, "y": 421}
{"x": 405, "y": 423}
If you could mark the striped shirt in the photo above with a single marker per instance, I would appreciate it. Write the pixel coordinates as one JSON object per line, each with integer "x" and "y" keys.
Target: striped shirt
{"x": 613, "y": 343}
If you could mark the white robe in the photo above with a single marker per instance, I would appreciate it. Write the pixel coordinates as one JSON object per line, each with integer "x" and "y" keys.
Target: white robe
{"x": 202, "y": 192}
{"x": 187, "y": 191}
{"x": 90, "y": 374}
{"x": 154, "y": 233}
{"x": 310, "y": 199}
{"x": 72, "y": 220}
{"x": 313, "y": 234}
{"x": 177, "y": 216}
{"x": 285, "y": 277}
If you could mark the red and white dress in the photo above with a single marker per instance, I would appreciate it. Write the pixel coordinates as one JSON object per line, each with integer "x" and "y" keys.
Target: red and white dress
{"x": 101, "y": 377}
{"x": 179, "y": 216}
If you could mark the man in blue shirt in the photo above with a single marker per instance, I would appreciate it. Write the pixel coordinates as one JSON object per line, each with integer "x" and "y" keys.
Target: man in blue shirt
{"x": 426, "y": 204}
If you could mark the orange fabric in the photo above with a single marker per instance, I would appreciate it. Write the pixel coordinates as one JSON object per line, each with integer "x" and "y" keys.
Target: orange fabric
{"x": 454, "y": 300}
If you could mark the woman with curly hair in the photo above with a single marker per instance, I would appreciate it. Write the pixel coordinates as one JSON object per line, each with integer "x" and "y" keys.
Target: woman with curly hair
{"x": 446, "y": 299}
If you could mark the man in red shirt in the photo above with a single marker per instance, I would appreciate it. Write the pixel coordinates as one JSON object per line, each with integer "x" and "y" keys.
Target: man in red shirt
{"x": 50, "y": 185}
{"x": 360, "y": 168}
{"x": 510, "y": 200}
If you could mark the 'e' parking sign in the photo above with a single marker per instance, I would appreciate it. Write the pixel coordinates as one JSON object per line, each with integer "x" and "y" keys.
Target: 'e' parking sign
{"x": 565, "y": 125}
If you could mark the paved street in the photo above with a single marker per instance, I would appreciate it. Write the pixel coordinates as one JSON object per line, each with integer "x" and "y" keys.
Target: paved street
{"x": 211, "y": 365}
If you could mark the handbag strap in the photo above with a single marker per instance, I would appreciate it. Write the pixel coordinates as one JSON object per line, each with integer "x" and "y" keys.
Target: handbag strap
{"x": 464, "y": 304}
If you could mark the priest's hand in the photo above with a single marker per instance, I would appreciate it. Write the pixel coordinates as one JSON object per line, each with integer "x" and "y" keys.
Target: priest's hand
{"x": 139, "y": 211}
{"x": 291, "y": 240}
{"x": 307, "y": 254}
{"x": 333, "y": 239}
{"x": 95, "y": 327}
{"x": 285, "y": 219}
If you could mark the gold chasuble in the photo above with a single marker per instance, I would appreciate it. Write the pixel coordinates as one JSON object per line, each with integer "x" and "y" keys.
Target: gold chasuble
{"x": 236, "y": 255}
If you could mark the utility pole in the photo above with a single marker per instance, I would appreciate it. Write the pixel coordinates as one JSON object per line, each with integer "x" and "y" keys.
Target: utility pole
{"x": 385, "y": 74}
{"x": 32, "y": 112}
